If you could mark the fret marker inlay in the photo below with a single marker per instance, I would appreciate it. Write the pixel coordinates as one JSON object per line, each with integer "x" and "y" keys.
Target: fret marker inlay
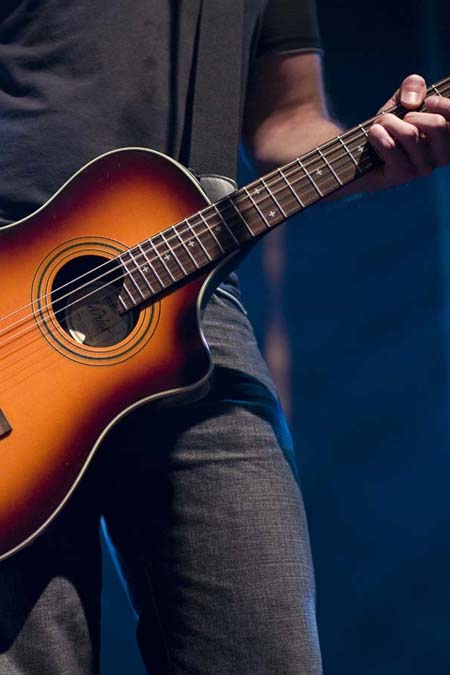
{"x": 229, "y": 224}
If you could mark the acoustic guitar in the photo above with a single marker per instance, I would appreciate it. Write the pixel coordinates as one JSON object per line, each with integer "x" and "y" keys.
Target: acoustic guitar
{"x": 102, "y": 294}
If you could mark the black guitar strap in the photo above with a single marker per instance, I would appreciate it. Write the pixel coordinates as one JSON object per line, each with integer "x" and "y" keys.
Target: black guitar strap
{"x": 216, "y": 91}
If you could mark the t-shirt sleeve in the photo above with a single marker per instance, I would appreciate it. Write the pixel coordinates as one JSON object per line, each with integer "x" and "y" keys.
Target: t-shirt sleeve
{"x": 289, "y": 26}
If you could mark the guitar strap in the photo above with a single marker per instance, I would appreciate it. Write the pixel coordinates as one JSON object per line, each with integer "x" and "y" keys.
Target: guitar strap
{"x": 214, "y": 109}
{"x": 216, "y": 106}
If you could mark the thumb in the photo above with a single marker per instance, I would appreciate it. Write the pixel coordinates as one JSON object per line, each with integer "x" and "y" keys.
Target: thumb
{"x": 410, "y": 95}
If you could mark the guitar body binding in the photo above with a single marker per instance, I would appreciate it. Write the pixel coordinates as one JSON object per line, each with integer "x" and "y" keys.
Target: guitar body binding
{"x": 70, "y": 370}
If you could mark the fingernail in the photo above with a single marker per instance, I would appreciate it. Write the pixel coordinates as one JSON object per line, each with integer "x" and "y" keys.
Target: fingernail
{"x": 411, "y": 97}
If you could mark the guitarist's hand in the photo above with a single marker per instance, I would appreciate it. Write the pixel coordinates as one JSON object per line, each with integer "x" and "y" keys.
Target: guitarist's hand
{"x": 414, "y": 146}
{"x": 286, "y": 115}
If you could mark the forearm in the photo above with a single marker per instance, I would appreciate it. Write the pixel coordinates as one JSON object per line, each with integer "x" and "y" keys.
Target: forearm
{"x": 286, "y": 135}
{"x": 286, "y": 114}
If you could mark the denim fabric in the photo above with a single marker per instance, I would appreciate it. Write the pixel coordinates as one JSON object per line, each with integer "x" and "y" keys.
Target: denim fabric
{"x": 206, "y": 517}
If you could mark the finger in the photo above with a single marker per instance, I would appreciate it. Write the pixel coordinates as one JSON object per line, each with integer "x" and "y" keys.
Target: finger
{"x": 397, "y": 168}
{"x": 381, "y": 140}
{"x": 413, "y": 91}
{"x": 439, "y": 105}
{"x": 411, "y": 94}
{"x": 407, "y": 136}
{"x": 435, "y": 128}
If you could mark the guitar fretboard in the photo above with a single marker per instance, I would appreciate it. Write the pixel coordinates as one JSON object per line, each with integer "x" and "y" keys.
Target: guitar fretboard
{"x": 157, "y": 264}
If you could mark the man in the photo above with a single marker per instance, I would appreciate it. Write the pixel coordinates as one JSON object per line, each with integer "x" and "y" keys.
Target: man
{"x": 206, "y": 516}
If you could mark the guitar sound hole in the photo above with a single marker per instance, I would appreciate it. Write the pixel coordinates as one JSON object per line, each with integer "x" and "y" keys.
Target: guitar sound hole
{"x": 85, "y": 301}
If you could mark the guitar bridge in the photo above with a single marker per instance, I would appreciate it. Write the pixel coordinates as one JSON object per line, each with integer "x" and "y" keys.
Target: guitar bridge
{"x": 5, "y": 427}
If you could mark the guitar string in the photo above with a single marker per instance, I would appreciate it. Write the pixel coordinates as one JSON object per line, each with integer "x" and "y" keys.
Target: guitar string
{"x": 285, "y": 190}
{"x": 367, "y": 123}
{"x": 278, "y": 179}
{"x": 180, "y": 246}
{"x": 256, "y": 203}
{"x": 42, "y": 321}
{"x": 97, "y": 290}
{"x": 144, "y": 261}
{"x": 39, "y": 322}
{"x": 274, "y": 173}
{"x": 303, "y": 177}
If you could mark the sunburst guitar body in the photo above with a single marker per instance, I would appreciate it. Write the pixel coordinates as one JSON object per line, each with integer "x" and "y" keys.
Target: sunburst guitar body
{"x": 72, "y": 360}
{"x": 102, "y": 290}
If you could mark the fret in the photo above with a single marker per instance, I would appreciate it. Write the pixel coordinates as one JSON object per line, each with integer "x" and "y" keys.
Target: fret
{"x": 171, "y": 252}
{"x": 150, "y": 267}
{"x": 129, "y": 276}
{"x": 291, "y": 188}
{"x": 189, "y": 262}
{"x": 198, "y": 239}
{"x": 348, "y": 152}
{"x": 224, "y": 223}
{"x": 321, "y": 154}
{"x": 226, "y": 202}
{"x": 163, "y": 269}
{"x": 367, "y": 156}
{"x": 211, "y": 232}
{"x": 242, "y": 219}
{"x": 274, "y": 199}
{"x": 186, "y": 247}
{"x": 360, "y": 126}
{"x": 255, "y": 205}
{"x": 141, "y": 274}
{"x": 308, "y": 175}
{"x": 127, "y": 290}
{"x": 129, "y": 300}
{"x": 225, "y": 226}
{"x": 164, "y": 256}
{"x": 318, "y": 172}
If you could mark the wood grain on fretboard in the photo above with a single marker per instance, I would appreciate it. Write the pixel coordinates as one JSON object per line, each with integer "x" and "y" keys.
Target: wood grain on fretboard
{"x": 180, "y": 252}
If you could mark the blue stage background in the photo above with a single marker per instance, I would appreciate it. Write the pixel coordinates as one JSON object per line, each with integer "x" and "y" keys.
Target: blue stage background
{"x": 367, "y": 306}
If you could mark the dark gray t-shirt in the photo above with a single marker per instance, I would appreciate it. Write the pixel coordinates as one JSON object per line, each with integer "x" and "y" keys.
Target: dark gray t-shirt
{"x": 83, "y": 77}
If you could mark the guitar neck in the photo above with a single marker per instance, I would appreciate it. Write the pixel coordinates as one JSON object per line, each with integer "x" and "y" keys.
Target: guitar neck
{"x": 178, "y": 253}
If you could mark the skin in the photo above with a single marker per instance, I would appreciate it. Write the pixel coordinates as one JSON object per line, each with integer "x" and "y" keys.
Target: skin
{"x": 286, "y": 115}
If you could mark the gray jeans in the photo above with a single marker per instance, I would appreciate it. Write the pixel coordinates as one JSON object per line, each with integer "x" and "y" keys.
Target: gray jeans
{"x": 206, "y": 518}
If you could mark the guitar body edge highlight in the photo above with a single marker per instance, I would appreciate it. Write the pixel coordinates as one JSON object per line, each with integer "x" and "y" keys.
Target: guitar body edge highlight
{"x": 52, "y": 442}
